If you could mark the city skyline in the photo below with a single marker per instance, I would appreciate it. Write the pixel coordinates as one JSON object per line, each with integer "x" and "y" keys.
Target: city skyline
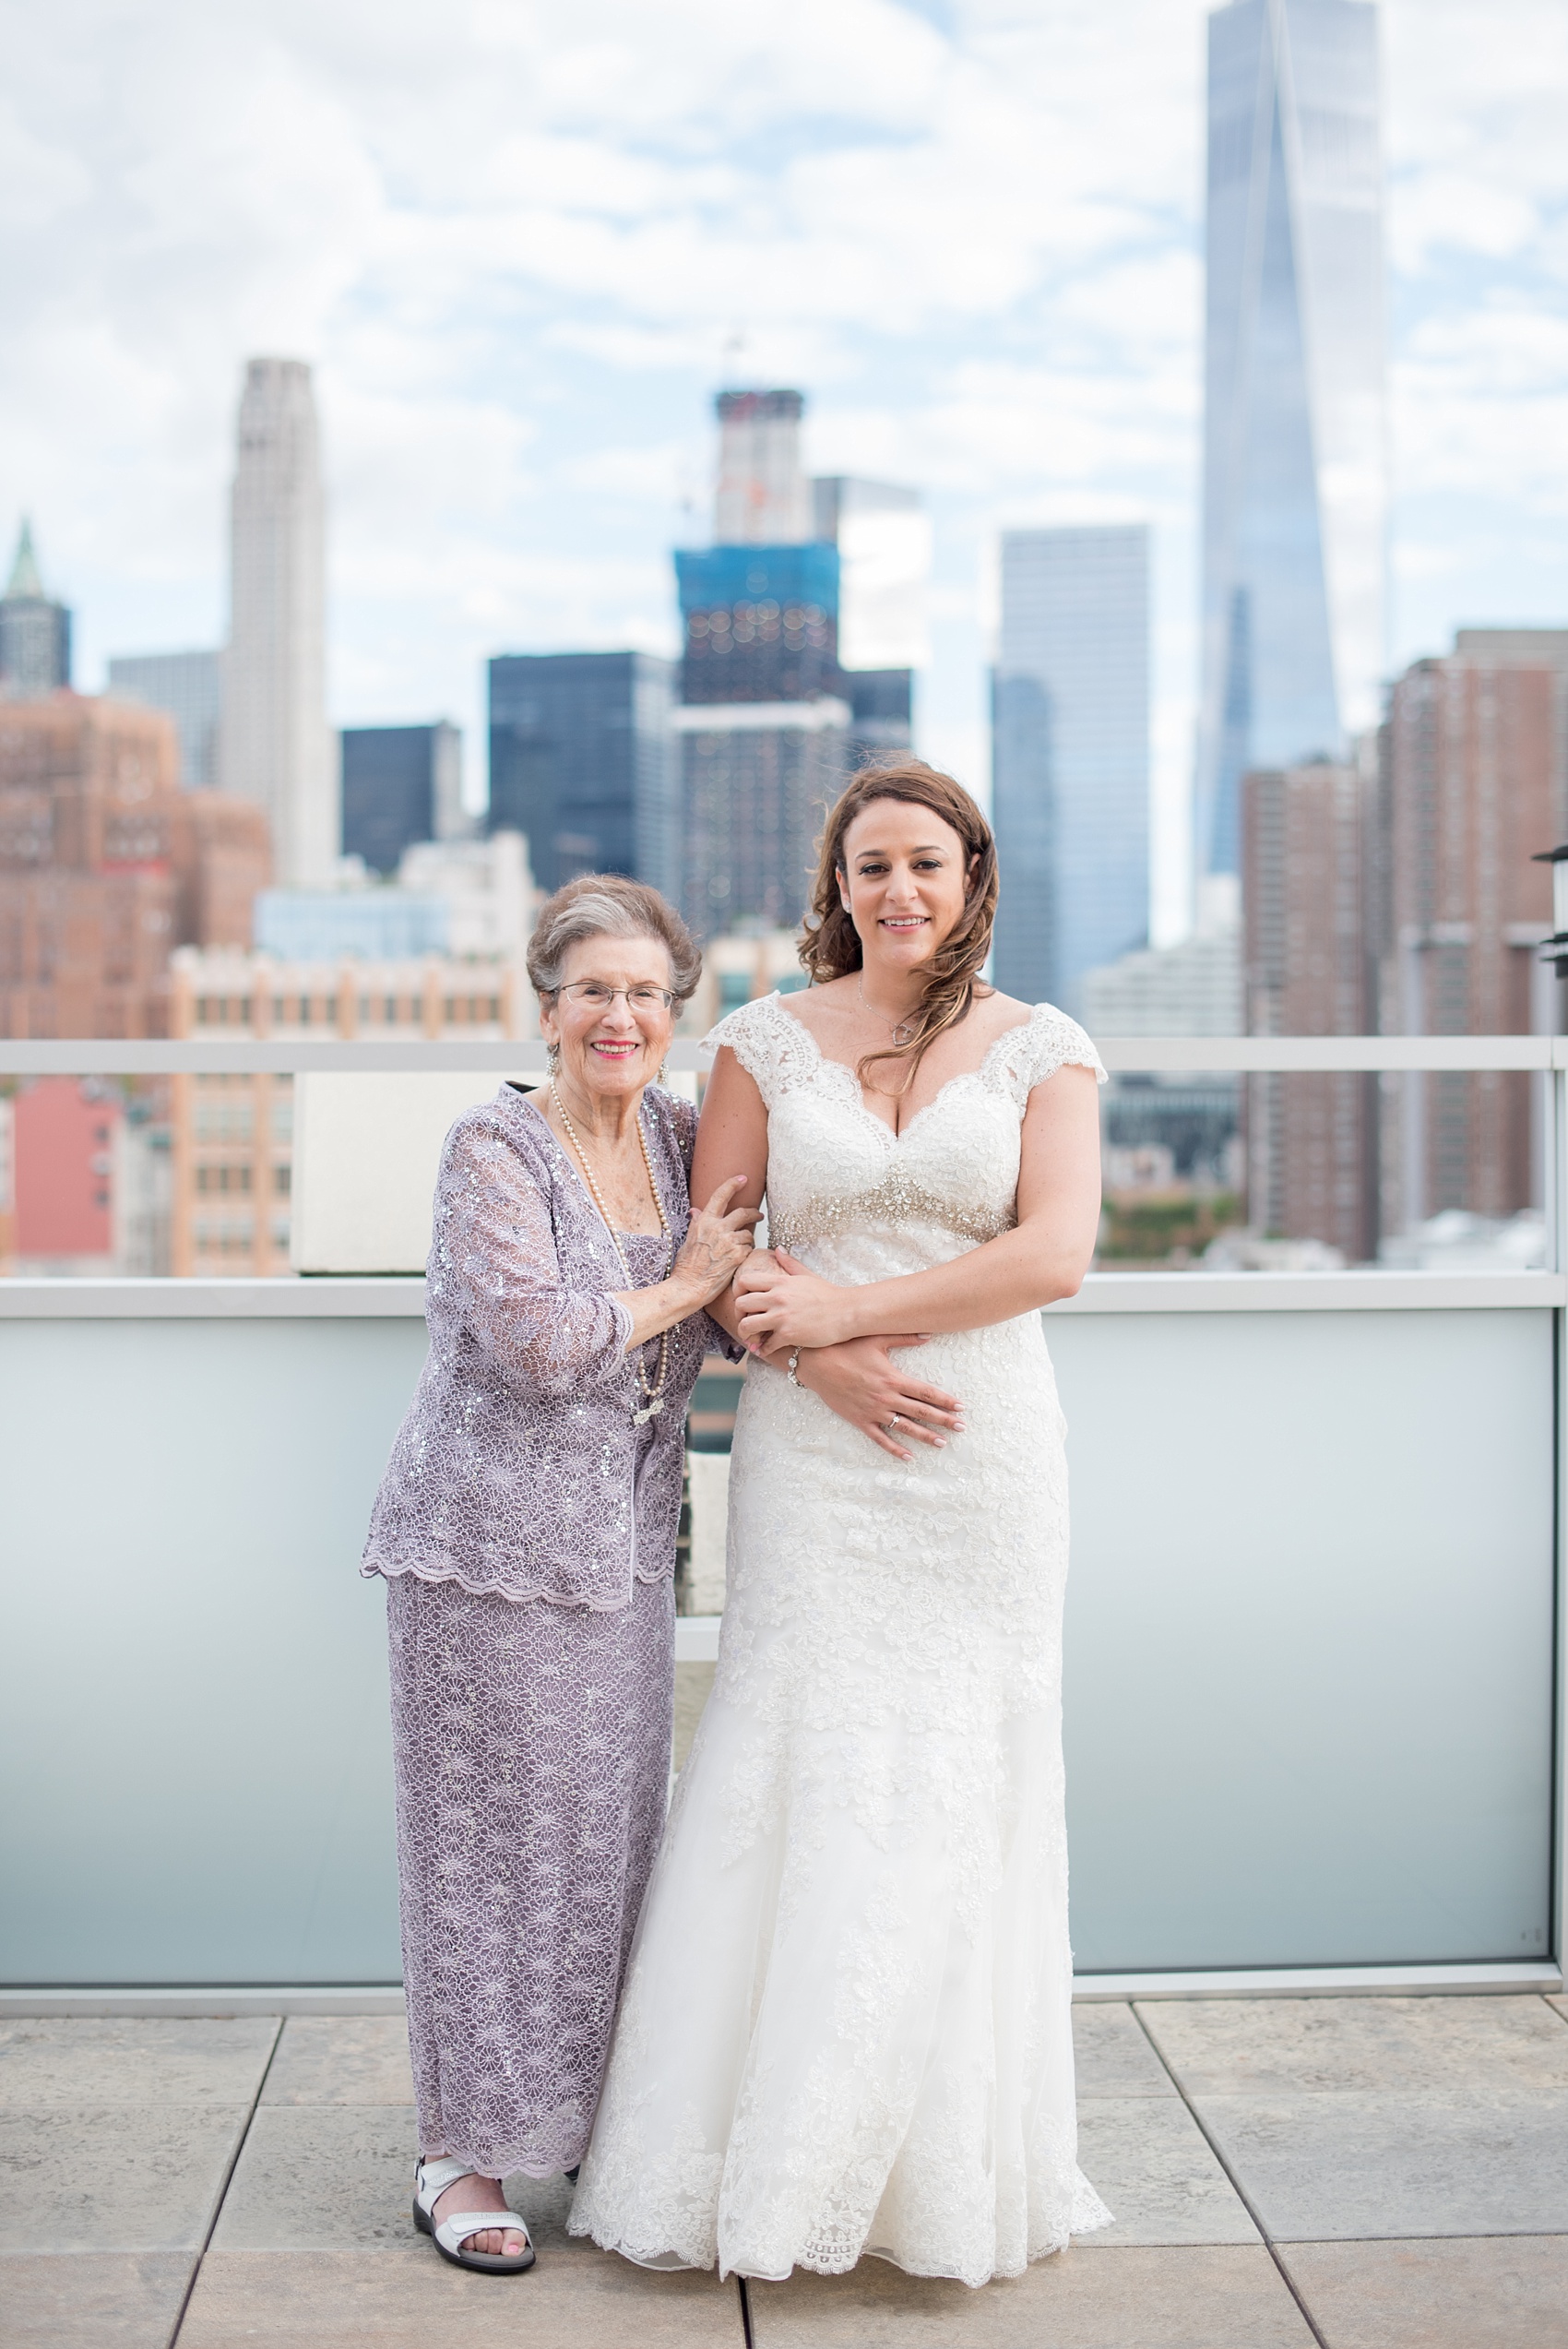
{"x": 982, "y": 260}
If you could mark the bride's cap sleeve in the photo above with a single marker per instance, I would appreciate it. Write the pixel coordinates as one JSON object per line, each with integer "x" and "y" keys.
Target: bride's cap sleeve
{"x": 769, "y": 1041}
{"x": 1047, "y": 1041}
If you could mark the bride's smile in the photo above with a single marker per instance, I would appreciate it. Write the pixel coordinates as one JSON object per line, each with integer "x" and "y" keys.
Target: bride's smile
{"x": 905, "y": 886}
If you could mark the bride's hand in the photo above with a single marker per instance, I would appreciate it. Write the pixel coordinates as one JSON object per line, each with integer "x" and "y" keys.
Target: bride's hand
{"x": 862, "y": 1382}
{"x": 781, "y": 1304}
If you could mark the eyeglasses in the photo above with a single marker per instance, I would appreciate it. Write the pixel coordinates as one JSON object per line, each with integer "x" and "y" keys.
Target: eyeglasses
{"x": 591, "y": 995}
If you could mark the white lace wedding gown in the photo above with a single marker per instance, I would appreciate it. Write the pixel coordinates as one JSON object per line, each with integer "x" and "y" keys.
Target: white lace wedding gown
{"x": 846, "y": 2028}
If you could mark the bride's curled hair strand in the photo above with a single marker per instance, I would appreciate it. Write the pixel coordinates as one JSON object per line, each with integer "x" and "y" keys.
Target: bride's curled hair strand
{"x": 830, "y": 947}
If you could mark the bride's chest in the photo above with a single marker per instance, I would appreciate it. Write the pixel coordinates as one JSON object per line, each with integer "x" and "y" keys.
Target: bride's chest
{"x": 956, "y": 1161}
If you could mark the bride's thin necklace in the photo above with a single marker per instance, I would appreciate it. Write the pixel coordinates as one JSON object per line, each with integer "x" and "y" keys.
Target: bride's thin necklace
{"x": 901, "y": 1031}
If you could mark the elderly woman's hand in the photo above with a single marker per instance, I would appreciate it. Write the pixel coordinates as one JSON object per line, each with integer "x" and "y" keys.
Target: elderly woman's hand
{"x": 718, "y": 1242}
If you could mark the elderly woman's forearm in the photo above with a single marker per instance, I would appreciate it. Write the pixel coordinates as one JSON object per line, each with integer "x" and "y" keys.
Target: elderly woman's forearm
{"x": 547, "y": 1341}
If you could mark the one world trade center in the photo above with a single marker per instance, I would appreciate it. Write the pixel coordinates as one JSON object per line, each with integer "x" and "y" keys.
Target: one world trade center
{"x": 1295, "y": 445}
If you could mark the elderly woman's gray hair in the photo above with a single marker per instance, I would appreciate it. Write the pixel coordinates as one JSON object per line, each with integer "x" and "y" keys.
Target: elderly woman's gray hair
{"x": 606, "y": 905}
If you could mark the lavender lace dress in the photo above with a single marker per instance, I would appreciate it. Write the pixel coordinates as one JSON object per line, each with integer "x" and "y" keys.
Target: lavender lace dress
{"x": 525, "y": 1530}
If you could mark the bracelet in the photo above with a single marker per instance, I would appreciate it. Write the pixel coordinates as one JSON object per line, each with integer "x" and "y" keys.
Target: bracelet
{"x": 792, "y": 1364}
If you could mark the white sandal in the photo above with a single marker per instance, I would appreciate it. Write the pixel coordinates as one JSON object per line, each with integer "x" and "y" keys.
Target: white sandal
{"x": 430, "y": 2180}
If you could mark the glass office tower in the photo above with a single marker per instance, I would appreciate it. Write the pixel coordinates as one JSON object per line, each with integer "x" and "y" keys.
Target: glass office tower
{"x": 1295, "y": 453}
{"x": 401, "y": 785}
{"x": 1070, "y": 762}
{"x": 580, "y": 763}
{"x": 762, "y": 732}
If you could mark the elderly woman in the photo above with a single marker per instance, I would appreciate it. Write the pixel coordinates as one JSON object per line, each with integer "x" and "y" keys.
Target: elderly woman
{"x": 526, "y": 1528}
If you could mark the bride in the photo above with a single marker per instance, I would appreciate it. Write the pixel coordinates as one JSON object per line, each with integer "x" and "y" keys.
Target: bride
{"x": 846, "y": 2028}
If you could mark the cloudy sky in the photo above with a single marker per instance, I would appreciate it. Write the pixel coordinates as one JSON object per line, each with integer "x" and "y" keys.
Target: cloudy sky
{"x": 523, "y": 245}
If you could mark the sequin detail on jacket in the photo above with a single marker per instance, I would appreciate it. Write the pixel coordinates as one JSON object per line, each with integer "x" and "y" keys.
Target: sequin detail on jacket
{"x": 517, "y": 1468}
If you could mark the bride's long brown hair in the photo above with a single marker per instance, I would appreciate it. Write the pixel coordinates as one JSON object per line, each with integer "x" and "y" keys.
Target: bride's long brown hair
{"x": 831, "y": 946}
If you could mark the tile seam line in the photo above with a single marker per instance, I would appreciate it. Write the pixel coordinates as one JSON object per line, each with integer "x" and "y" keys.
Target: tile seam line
{"x": 224, "y": 2183}
{"x": 1471, "y": 2235}
{"x": 1239, "y": 2190}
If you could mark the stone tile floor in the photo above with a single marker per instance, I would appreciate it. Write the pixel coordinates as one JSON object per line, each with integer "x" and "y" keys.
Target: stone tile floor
{"x": 1361, "y": 2172}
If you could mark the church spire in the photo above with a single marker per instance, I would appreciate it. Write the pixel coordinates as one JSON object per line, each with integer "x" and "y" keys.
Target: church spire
{"x": 25, "y": 578}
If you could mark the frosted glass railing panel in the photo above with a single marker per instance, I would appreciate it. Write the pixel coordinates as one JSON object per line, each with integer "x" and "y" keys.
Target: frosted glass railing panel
{"x": 1309, "y": 1637}
{"x": 1309, "y": 1642}
{"x": 193, "y": 1707}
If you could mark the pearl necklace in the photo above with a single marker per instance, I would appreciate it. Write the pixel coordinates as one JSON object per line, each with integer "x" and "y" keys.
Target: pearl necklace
{"x": 652, "y": 1392}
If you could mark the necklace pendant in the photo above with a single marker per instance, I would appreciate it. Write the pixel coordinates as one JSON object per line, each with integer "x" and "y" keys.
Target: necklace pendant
{"x": 649, "y": 1411}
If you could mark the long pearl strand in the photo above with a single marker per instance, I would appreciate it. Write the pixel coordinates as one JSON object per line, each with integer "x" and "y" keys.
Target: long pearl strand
{"x": 652, "y": 1391}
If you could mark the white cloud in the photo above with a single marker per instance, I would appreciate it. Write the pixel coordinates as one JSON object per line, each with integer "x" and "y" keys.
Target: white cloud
{"x": 522, "y": 246}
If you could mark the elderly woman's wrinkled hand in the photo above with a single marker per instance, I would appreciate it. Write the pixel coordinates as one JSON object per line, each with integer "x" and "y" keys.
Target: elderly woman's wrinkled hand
{"x": 718, "y": 1242}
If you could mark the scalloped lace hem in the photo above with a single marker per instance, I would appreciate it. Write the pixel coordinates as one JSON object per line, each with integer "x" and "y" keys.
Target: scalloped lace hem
{"x": 521, "y": 1594}
{"x": 1086, "y": 2214}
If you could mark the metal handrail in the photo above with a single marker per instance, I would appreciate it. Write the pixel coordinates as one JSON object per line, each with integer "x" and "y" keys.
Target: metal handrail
{"x": 1128, "y": 1055}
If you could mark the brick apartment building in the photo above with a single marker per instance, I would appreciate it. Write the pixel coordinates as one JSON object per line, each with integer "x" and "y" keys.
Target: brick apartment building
{"x": 1475, "y": 786}
{"x": 1406, "y": 901}
{"x": 1308, "y": 846}
{"x": 106, "y": 866}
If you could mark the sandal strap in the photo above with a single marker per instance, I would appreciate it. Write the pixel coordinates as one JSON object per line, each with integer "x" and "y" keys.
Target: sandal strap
{"x": 435, "y": 2176}
{"x": 455, "y": 2232}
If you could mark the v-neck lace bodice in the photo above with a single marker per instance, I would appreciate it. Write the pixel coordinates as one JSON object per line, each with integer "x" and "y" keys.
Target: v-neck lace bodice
{"x": 859, "y": 1201}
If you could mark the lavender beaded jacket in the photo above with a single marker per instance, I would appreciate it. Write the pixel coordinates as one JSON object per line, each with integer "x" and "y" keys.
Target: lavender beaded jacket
{"x": 517, "y": 1468}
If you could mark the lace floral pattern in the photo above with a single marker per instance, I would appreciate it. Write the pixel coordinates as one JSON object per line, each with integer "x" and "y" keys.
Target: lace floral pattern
{"x": 532, "y": 1752}
{"x": 847, "y": 2023}
{"x": 525, "y": 1527}
{"x": 515, "y": 1468}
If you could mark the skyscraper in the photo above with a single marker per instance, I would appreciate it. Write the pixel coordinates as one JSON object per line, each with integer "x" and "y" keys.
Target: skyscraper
{"x": 1070, "y": 756}
{"x": 189, "y": 686}
{"x": 35, "y": 632}
{"x": 759, "y": 622}
{"x": 276, "y": 745}
{"x": 1295, "y": 455}
{"x": 401, "y": 784}
{"x": 882, "y": 535}
{"x": 764, "y": 497}
{"x": 758, "y": 779}
{"x": 1308, "y": 875}
{"x": 580, "y": 763}
{"x": 1474, "y": 785}
{"x": 764, "y": 726}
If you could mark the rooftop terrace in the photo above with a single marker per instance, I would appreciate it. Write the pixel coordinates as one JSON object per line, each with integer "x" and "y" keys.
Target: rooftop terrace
{"x": 1378, "y": 2173}
{"x": 1316, "y": 1730}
